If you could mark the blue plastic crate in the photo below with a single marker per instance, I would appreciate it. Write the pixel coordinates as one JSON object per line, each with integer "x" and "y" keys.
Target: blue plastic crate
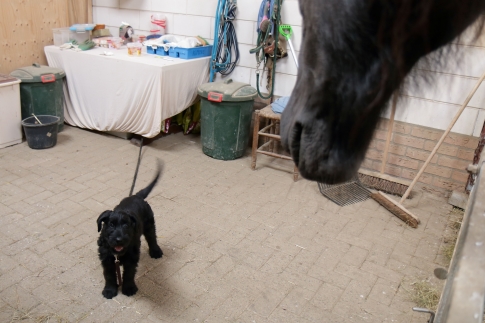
{"x": 190, "y": 53}
{"x": 157, "y": 51}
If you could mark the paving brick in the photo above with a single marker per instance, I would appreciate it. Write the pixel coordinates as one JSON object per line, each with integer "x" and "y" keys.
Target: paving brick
{"x": 355, "y": 241}
{"x": 235, "y": 241}
{"x": 277, "y": 263}
{"x": 357, "y": 274}
{"x": 411, "y": 174}
{"x": 296, "y": 300}
{"x": 460, "y": 176}
{"x": 248, "y": 316}
{"x": 462, "y": 140}
{"x": 393, "y": 148}
{"x": 355, "y": 256}
{"x": 426, "y": 133}
{"x": 380, "y": 254}
{"x": 13, "y": 277}
{"x": 448, "y": 184}
{"x": 302, "y": 280}
{"x": 402, "y": 127}
{"x": 402, "y": 161}
{"x": 383, "y": 291}
{"x": 438, "y": 170}
{"x": 465, "y": 154}
{"x": 393, "y": 170}
{"x": 257, "y": 255}
{"x": 374, "y": 154}
{"x": 420, "y": 155}
{"x": 327, "y": 296}
{"x": 382, "y": 135}
{"x": 355, "y": 293}
{"x": 453, "y": 162}
{"x": 280, "y": 314}
{"x": 231, "y": 308}
{"x": 408, "y": 141}
{"x": 19, "y": 299}
{"x": 381, "y": 271}
{"x": 444, "y": 149}
{"x": 367, "y": 164}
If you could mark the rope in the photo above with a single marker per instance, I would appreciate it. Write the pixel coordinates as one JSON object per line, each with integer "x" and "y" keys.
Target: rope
{"x": 274, "y": 25}
{"x": 227, "y": 50}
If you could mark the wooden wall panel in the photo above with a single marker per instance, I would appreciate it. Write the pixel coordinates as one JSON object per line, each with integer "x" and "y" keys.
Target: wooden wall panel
{"x": 26, "y": 27}
{"x": 80, "y": 11}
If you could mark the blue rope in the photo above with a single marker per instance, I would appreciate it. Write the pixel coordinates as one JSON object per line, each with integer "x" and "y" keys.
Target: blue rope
{"x": 225, "y": 53}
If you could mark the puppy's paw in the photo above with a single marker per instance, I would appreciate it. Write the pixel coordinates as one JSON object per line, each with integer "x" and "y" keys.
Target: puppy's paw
{"x": 129, "y": 289}
{"x": 156, "y": 252}
{"x": 110, "y": 292}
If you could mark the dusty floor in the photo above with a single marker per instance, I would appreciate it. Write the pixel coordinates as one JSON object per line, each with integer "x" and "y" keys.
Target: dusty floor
{"x": 240, "y": 245}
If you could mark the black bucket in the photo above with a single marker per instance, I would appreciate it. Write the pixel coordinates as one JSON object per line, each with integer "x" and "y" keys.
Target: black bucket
{"x": 41, "y": 136}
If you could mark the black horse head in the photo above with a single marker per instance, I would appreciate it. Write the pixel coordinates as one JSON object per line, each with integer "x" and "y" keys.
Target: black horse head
{"x": 354, "y": 55}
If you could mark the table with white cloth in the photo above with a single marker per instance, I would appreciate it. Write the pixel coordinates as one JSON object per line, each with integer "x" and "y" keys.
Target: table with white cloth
{"x": 123, "y": 93}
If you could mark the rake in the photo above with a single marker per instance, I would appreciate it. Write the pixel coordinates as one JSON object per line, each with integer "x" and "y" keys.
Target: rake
{"x": 286, "y": 31}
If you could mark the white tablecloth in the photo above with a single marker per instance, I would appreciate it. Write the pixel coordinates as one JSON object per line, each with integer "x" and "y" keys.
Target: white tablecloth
{"x": 124, "y": 93}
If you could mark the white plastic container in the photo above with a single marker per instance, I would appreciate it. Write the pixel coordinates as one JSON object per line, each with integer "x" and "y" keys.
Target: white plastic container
{"x": 60, "y": 35}
{"x": 134, "y": 49}
{"x": 80, "y": 37}
{"x": 11, "y": 120}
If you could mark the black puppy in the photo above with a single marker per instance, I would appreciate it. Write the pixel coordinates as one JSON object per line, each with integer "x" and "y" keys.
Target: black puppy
{"x": 120, "y": 240}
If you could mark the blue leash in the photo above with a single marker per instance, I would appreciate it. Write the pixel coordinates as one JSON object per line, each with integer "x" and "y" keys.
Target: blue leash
{"x": 225, "y": 52}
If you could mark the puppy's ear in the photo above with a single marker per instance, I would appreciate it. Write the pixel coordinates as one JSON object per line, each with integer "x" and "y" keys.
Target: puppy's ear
{"x": 103, "y": 218}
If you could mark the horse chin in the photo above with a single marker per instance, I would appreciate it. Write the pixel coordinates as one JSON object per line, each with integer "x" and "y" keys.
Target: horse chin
{"x": 316, "y": 158}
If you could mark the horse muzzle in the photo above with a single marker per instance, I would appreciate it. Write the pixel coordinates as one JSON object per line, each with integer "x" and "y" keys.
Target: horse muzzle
{"x": 317, "y": 152}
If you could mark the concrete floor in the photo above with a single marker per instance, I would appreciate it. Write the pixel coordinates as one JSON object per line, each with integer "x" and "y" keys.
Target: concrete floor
{"x": 240, "y": 245}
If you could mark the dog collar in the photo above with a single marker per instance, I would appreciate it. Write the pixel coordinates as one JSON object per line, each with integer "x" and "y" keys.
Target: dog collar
{"x": 118, "y": 271}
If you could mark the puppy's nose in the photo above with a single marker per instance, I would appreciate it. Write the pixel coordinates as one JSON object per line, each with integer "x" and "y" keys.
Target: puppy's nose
{"x": 118, "y": 239}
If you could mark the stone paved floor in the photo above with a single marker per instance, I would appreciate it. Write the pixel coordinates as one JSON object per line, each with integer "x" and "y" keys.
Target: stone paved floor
{"x": 240, "y": 245}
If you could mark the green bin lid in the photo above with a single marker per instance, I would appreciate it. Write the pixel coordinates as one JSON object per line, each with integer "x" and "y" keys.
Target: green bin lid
{"x": 228, "y": 90}
{"x": 34, "y": 73}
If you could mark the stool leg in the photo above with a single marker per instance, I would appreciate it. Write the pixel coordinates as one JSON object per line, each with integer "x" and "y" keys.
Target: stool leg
{"x": 255, "y": 139}
{"x": 277, "y": 143}
{"x": 272, "y": 131}
{"x": 295, "y": 174}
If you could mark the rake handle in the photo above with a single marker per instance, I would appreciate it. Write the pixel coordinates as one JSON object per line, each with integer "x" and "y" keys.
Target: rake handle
{"x": 457, "y": 115}
{"x": 389, "y": 132}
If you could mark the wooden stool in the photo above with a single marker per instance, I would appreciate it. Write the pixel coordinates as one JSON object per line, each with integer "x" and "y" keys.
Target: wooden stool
{"x": 271, "y": 131}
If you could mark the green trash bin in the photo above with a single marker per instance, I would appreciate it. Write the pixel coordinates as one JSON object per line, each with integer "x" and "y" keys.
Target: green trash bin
{"x": 225, "y": 116}
{"x": 41, "y": 91}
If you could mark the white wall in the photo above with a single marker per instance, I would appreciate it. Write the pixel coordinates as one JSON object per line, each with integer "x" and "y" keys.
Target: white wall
{"x": 431, "y": 104}
{"x": 196, "y": 17}
{"x": 441, "y": 89}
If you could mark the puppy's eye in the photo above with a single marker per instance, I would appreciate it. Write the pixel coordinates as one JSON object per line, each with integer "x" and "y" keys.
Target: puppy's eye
{"x": 125, "y": 225}
{"x": 111, "y": 225}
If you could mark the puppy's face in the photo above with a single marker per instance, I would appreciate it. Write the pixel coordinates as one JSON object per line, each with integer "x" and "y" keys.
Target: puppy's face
{"x": 118, "y": 230}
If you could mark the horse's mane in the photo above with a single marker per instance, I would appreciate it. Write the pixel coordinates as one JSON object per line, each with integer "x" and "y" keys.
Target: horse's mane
{"x": 409, "y": 29}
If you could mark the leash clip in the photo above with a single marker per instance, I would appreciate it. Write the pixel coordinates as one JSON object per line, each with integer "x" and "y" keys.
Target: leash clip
{"x": 118, "y": 271}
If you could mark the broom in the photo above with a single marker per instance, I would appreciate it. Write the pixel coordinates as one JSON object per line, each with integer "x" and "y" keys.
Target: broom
{"x": 381, "y": 181}
{"x": 396, "y": 207}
